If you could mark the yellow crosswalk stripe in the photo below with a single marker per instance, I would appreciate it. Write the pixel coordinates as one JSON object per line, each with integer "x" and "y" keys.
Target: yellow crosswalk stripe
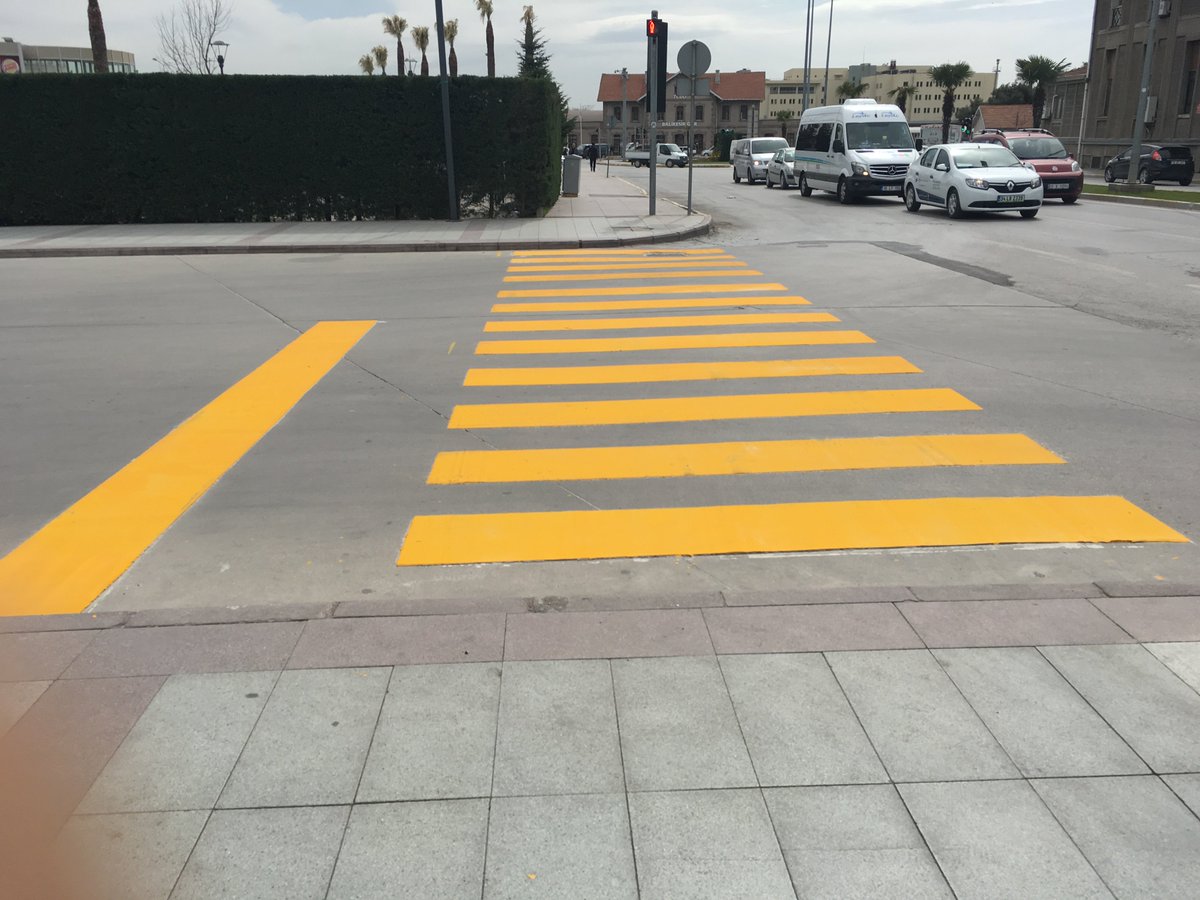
{"x": 703, "y": 409}
{"x": 631, "y": 260}
{"x": 776, "y": 528}
{"x": 618, "y": 276}
{"x": 671, "y": 342}
{"x": 638, "y": 322}
{"x": 663, "y": 303}
{"x": 738, "y": 458}
{"x": 635, "y": 268}
{"x": 514, "y": 293}
{"x": 694, "y": 371}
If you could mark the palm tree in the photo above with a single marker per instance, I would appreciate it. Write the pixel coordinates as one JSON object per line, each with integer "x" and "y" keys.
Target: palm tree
{"x": 366, "y": 62}
{"x": 395, "y": 26}
{"x": 451, "y": 35}
{"x": 850, "y": 90}
{"x": 380, "y": 53}
{"x": 784, "y": 116}
{"x": 901, "y": 95}
{"x": 1040, "y": 73}
{"x": 99, "y": 41}
{"x": 420, "y": 36}
{"x": 485, "y": 15}
{"x": 949, "y": 76}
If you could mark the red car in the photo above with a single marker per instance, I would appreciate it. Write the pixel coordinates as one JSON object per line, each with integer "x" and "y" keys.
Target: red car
{"x": 1061, "y": 175}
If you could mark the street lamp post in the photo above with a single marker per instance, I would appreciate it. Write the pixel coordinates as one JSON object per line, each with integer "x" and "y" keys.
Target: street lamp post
{"x": 222, "y": 48}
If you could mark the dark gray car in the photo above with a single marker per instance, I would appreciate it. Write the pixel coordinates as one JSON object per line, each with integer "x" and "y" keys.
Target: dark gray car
{"x": 1159, "y": 163}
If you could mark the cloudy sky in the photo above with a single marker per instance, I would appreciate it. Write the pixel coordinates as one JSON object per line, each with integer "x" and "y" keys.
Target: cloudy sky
{"x": 587, "y": 37}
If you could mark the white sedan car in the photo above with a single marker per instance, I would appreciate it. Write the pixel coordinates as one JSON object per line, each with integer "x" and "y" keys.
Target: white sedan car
{"x": 966, "y": 178}
{"x": 779, "y": 169}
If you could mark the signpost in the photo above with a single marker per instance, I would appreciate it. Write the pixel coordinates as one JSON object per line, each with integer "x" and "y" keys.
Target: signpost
{"x": 694, "y": 60}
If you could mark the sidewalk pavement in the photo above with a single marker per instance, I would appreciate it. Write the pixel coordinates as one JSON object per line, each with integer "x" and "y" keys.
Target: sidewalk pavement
{"x": 608, "y": 212}
{"x": 907, "y": 742}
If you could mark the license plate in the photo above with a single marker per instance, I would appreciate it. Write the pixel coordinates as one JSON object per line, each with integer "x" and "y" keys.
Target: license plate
{"x": 1179, "y": 162}
{"x": 1059, "y": 186}
{"x": 1012, "y": 198}
{"x": 891, "y": 188}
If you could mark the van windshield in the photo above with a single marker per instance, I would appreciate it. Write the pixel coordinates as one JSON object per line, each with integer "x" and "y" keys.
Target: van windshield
{"x": 878, "y": 136}
{"x": 1038, "y": 148}
{"x": 768, "y": 145}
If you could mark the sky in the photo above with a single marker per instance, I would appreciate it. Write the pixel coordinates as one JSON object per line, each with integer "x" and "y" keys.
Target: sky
{"x": 587, "y": 37}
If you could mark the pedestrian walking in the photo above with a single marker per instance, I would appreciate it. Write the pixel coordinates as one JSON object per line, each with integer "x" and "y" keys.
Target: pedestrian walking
{"x": 593, "y": 155}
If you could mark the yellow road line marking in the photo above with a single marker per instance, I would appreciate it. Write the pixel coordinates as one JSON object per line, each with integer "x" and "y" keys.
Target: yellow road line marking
{"x": 513, "y": 293}
{"x": 614, "y": 305}
{"x": 705, "y": 409}
{"x": 75, "y": 557}
{"x": 634, "y": 267}
{"x": 672, "y": 342}
{"x": 694, "y": 371}
{"x": 637, "y": 322}
{"x": 614, "y": 251}
{"x": 776, "y": 528}
{"x": 618, "y": 276}
{"x": 628, "y": 260}
{"x": 738, "y": 458}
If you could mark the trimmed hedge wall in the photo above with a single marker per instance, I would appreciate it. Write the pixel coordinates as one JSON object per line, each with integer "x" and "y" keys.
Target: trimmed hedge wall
{"x": 89, "y": 149}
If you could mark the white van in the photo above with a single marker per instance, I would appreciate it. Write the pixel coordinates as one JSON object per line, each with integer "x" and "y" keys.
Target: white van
{"x": 750, "y": 156}
{"x": 857, "y": 149}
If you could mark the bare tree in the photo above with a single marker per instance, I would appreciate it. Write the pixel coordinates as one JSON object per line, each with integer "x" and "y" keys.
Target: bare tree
{"x": 186, "y": 35}
{"x": 99, "y": 41}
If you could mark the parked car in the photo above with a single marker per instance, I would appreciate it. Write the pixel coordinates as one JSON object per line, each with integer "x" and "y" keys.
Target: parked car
{"x": 1159, "y": 163}
{"x": 1062, "y": 176}
{"x": 750, "y": 156}
{"x": 779, "y": 169}
{"x": 972, "y": 177}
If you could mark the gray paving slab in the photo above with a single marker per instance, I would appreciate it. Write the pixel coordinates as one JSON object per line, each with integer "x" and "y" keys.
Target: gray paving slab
{"x": 40, "y": 656}
{"x": 916, "y": 719}
{"x": 557, "y": 729}
{"x": 130, "y": 856}
{"x": 1156, "y": 713}
{"x": 345, "y": 643}
{"x": 797, "y": 723}
{"x": 566, "y": 847}
{"x": 1182, "y": 659}
{"x": 15, "y": 698}
{"x": 186, "y": 648}
{"x": 1051, "y": 591}
{"x": 1142, "y": 840}
{"x": 439, "y": 851}
{"x": 436, "y": 737}
{"x": 181, "y": 751}
{"x": 1187, "y": 788}
{"x": 1010, "y": 623}
{"x": 796, "y": 596}
{"x": 263, "y": 854}
{"x": 1035, "y": 714}
{"x": 678, "y": 728}
{"x": 607, "y": 635}
{"x": 996, "y": 839}
{"x": 795, "y": 629}
{"x": 310, "y": 744}
{"x": 853, "y": 841}
{"x": 1155, "y": 618}
{"x": 707, "y": 844}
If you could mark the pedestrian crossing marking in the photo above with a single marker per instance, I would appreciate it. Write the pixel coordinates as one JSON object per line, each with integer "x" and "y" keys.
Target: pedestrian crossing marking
{"x": 515, "y": 293}
{"x": 621, "y": 276}
{"x": 693, "y": 371}
{"x": 776, "y": 528}
{"x": 630, "y": 260}
{"x": 615, "y": 305}
{"x": 638, "y": 322}
{"x": 738, "y": 458}
{"x": 635, "y": 268}
{"x": 707, "y": 408}
{"x": 671, "y": 342}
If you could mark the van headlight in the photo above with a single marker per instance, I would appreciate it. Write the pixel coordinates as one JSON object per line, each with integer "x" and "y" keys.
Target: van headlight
{"x": 1036, "y": 183}
{"x": 977, "y": 183}
{"x": 859, "y": 169}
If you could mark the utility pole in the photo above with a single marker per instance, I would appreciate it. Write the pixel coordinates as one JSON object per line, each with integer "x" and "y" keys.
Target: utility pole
{"x": 446, "y": 130}
{"x": 808, "y": 26}
{"x": 1139, "y": 125}
{"x": 828, "y": 44}
{"x": 624, "y": 109}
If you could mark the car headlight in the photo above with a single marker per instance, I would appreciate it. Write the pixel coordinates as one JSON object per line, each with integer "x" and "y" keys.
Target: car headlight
{"x": 977, "y": 183}
{"x": 859, "y": 169}
{"x": 1036, "y": 183}
{"x": 1075, "y": 167}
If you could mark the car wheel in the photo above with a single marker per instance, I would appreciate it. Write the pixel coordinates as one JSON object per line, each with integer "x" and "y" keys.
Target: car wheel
{"x": 1109, "y": 175}
{"x": 805, "y": 190}
{"x": 1028, "y": 213}
{"x": 737, "y": 179}
{"x": 910, "y": 199}
{"x": 769, "y": 185}
{"x": 843, "y": 191}
{"x": 1184, "y": 182}
{"x": 1144, "y": 176}
{"x": 953, "y": 207}
{"x": 1069, "y": 200}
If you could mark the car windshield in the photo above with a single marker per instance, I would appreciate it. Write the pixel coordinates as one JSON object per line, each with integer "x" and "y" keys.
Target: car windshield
{"x": 984, "y": 157}
{"x": 878, "y": 136}
{"x": 768, "y": 145}
{"x": 1038, "y": 148}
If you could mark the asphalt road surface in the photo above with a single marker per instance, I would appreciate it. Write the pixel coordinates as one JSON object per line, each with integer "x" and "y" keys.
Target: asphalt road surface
{"x": 883, "y": 399}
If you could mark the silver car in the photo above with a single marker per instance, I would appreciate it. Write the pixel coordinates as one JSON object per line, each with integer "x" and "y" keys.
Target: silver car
{"x": 967, "y": 178}
{"x": 780, "y": 171}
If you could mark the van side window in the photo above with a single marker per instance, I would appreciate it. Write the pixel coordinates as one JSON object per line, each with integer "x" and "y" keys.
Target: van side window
{"x": 806, "y": 137}
{"x": 824, "y": 135}
{"x": 837, "y": 134}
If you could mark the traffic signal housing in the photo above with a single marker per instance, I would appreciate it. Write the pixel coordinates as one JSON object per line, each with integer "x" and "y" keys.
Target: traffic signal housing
{"x": 656, "y": 61}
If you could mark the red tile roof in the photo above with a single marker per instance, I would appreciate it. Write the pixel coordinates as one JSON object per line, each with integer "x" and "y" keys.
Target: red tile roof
{"x": 1014, "y": 115}
{"x": 733, "y": 86}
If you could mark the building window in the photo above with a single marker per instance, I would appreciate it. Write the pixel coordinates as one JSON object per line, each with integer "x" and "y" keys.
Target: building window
{"x": 634, "y": 112}
{"x": 699, "y": 113}
{"x": 1117, "y": 17}
{"x": 724, "y": 113}
{"x": 616, "y": 114}
{"x": 678, "y": 113}
{"x": 1110, "y": 65}
{"x": 744, "y": 113}
{"x": 1191, "y": 72}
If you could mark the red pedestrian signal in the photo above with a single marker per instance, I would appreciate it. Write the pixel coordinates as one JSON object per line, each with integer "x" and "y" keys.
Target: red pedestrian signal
{"x": 652, "y": 28}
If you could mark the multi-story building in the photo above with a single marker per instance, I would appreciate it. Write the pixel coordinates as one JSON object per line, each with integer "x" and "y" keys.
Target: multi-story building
{"x": 925, "y": 106}
{"x": 784, "y": 100}
{"x": 16, "y": 58}
{"x": 1115, "y": 74}
{"x": 734, "y": 101}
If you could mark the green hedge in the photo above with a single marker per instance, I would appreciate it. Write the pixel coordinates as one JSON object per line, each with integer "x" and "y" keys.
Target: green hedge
{"x": 180, "y": 148}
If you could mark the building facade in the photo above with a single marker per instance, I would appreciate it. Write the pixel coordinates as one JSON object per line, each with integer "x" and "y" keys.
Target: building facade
{"x": 925, "y": 106}
{"x": 17, "y": 58}
{"x": 733, "y": 100}
{"x": 1119, "y": 30}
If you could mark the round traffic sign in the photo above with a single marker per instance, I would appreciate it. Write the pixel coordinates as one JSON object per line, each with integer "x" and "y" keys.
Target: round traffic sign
{"x": 694, "y": 59}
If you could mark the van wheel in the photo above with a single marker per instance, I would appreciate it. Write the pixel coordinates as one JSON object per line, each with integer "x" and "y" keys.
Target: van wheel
{"x": 805, "y": 190}
{"x": 953, "y": 207}
{"x": 737, "y": 179}
{"x": 843, "y": 191}
{"x": 750, "y": 175}
{"x": 910, "y": 200}
{"x": 636, "y": 163}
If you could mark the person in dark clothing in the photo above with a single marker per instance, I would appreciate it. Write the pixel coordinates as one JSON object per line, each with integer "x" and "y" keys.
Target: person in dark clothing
{"x": 593, "y": 155}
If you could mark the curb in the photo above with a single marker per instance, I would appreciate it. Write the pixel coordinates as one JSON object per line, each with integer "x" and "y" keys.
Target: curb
{"x": 701, "y": 227}
{"x": 1138, "y": 201}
